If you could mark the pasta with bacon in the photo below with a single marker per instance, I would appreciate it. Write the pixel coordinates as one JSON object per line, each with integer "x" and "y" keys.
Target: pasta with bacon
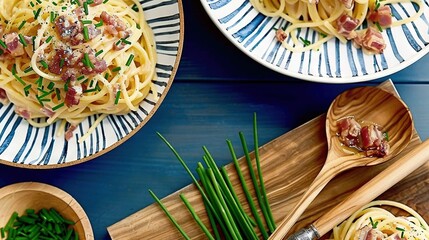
{"x": 65, "y": 60}
{"x": 374, "y": 222}
{"x": 360, "y": 21}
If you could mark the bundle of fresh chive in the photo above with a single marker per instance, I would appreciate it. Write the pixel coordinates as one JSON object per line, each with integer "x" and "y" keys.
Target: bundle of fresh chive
{"x": 43, "y": 224}
{"x": 225, "y": 212}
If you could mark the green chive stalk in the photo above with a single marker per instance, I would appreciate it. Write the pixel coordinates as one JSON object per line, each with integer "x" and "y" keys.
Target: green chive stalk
{"x": 247, "y": 192}
{"x": 169, "y": 215}
{"x": 271, "y": 223}
{"x": 196, "y": 217}
{"x": 239, "y": 214}
{"x": 254, "y": 180}
{"x": 193, "y": 179}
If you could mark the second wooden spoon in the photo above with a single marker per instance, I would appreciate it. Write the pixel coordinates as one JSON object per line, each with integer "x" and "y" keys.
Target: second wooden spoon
{"x": 365, "y": 103}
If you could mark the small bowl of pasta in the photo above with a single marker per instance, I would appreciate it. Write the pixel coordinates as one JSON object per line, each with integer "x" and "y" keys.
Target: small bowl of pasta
{"x": 80, "y": 77}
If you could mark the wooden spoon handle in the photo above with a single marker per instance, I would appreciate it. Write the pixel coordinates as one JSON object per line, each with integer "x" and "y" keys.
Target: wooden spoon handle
{"x": 324, "y": 176}
{"x": 372, "y": 189}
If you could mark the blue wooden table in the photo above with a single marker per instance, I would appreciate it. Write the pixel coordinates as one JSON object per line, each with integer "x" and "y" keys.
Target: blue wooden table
{"x": 214, "y": 95}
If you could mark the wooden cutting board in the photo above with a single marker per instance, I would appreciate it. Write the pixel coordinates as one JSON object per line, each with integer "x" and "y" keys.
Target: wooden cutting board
{"x": 289, "y": 163}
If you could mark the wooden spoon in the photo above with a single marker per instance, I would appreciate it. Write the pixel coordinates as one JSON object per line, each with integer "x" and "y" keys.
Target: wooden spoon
{"x": 365, "y": 103}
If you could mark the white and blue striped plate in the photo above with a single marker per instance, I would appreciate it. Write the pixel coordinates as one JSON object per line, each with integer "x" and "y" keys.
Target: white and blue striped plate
{"x": 334, "y": 62}
{"x": 22, "y": 145}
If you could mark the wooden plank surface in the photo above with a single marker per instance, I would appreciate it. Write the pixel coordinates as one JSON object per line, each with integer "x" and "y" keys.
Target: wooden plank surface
{"x": 290, "y": 163}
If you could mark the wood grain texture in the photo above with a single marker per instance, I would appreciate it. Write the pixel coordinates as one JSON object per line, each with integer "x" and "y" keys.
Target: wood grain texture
{"x": 368, "y": 104}
{"x": 290, "y": 163}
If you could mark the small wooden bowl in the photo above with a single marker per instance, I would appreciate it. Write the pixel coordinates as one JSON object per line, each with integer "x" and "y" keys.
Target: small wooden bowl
{"x": 21, "y": 196}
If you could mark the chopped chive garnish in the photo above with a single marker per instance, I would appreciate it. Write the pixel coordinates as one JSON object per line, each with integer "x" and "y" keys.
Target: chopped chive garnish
{"x": 305, "y": 41}
{"x": 105, "y": 1}
{"x": 86, "y": 21}
{"x": 13, "y": 69}
{"x": 85, "y": 8}
{"x": 36, "y": 13}
{"x": 44, "y": 64}
{"x": 138, "y": 26}
{"x": 118, "y": 94}
{"x": 29, "y": 69}
{"x": 39, "y": 81}
{"x": 48, "y": 39}
{"x": 135, "y": 8}
{"x": 90, "y": 1}
{"x": 54, "y": 3}
{"x": 58, "y": 93}
{"x": 62, "y": 62}
{"x": 99, "y": 52}
{"x": 99, "y": 24}
{"x": 3, "y": 44}
{"x": 85, "y": 33}
{"x": 379, "y": 26}
{"x": 58, "y": 106}
{"x": 39, "y": 1}
{"x": 106, "y": 76}
{"x": 22, "y": 40}
{"x": 87, "y": 61}
{"x": 27, "y": 90}
{"x": 52, "y": 17}
{"x": 19, "y": 79}
{"x": 373, "y": 224}
{"x": 116, "y": 69}
{"x": 125, "y": 41}
{"x": 130, "y": 59}
{"x": 31, "y": 4}
{"x": 51, "y": 85}
{"x": 22, "y": 24}
{"x": 81, "y": 77}
{"x": 118, "y": 42}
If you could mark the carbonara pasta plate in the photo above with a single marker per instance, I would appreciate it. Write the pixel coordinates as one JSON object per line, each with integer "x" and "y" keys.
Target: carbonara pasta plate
{"x": 79, "y": 77}
{"x": 328, "y": 41}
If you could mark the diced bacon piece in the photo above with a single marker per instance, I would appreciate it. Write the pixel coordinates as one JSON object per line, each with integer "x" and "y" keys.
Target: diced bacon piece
{"x": 114, "y": 25}
{"x": 99, "y": 65}
{"x": 47, "y": 111}
{"x": 23, "y": 112}
{"x": 371, "y": 40}
{"x": 349, "y": 131}
{"x": 69, "y": 133}
{"x": 346, "y": 26}
{"x": 73, "y": 95}
{"x": 58, "y": 62}
{"x": 69, "y": 28}
{"x": 14, "y": 46}
{"x": 280, "y": 35}
{"x": 93, "y": 31}
{"x": 382, "y": 16}
{"x": 3, "y": 97}
{"x": 373, "y": 141}
{"x": 70, "y": 75}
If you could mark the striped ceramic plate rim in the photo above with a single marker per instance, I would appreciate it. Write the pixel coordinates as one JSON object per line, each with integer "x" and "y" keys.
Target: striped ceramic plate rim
{"x": 334, "y": 62}
{"x": 22, "y": 145}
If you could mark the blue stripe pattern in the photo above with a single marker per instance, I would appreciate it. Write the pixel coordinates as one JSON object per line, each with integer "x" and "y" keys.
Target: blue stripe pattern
{"x": 334, "y": 62}
{"x": 26, "y": 146}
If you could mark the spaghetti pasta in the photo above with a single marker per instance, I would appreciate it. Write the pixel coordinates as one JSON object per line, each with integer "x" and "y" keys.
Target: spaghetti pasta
{"x": 361, "y": 21}
{"x": 69, "y": 59}
{"x": 379, "y": 223}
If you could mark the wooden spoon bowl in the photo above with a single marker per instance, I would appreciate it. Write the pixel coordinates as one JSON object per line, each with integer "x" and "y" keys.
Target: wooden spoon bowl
{"x": 19, "y": 197}
{"x": 365, "y": 103}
